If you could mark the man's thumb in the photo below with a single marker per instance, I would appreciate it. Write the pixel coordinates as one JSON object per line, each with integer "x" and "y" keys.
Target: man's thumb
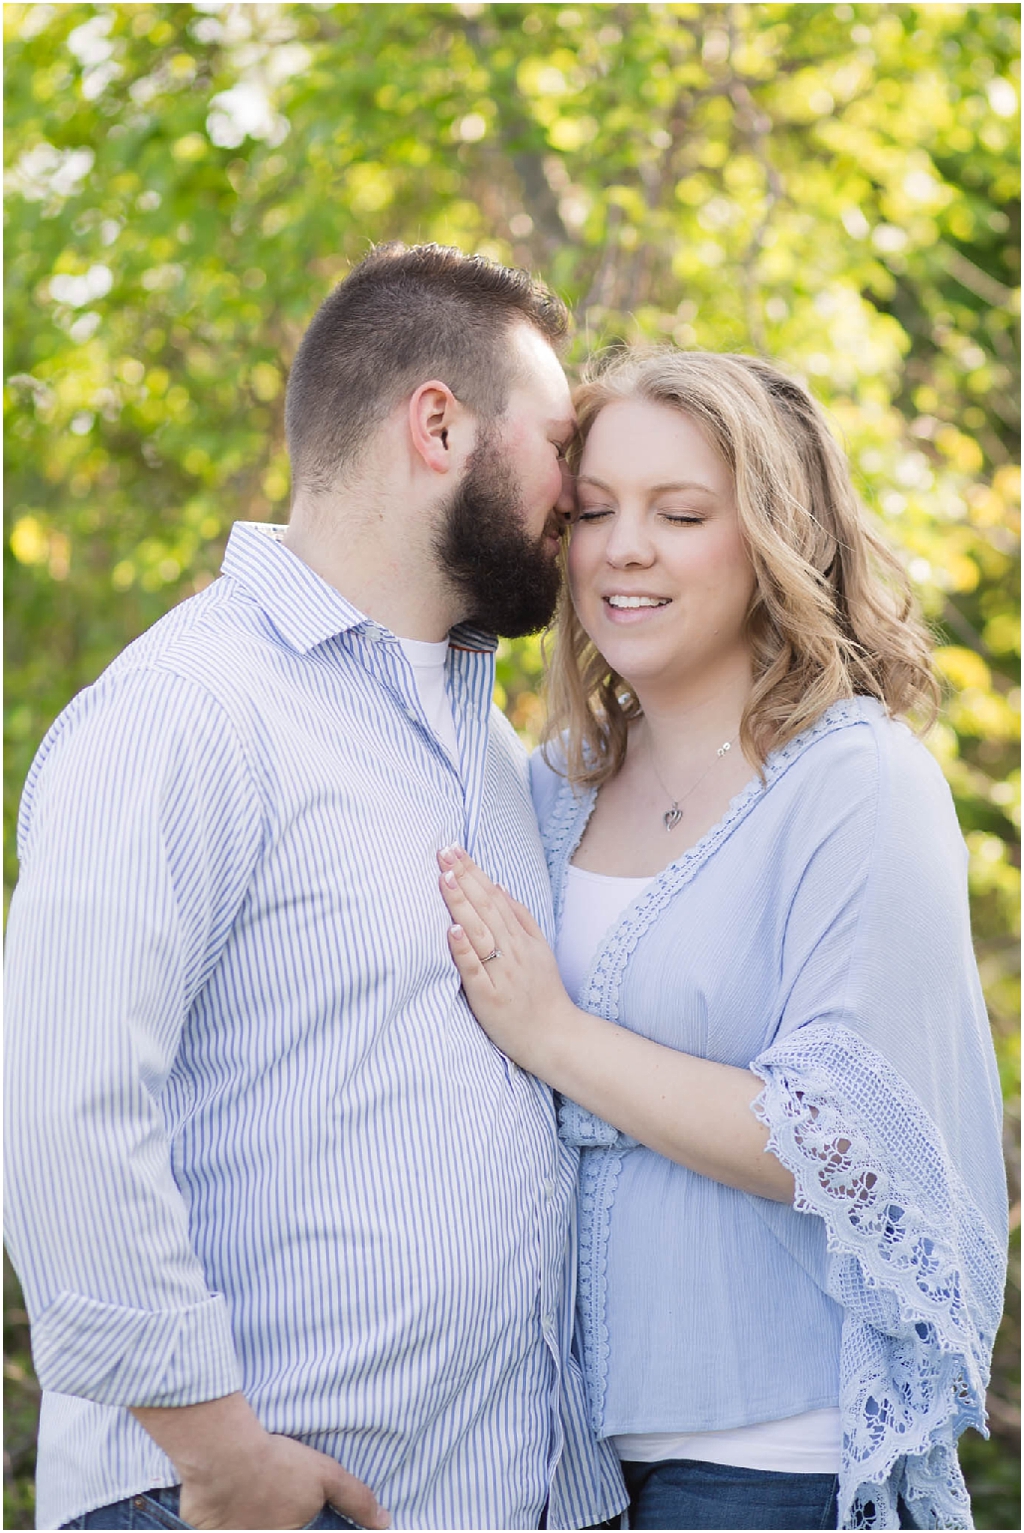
{"x": 353, "y": 1499}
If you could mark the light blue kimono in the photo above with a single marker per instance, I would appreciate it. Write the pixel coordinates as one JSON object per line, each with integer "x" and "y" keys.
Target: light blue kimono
{"x": 819, "y": 935}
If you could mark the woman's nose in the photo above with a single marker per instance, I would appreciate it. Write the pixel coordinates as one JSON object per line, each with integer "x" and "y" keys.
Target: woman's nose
{"x": 628, "y": 543}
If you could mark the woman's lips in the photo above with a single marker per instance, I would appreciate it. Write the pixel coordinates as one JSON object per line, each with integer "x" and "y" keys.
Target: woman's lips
{"x": 622, "y": 609}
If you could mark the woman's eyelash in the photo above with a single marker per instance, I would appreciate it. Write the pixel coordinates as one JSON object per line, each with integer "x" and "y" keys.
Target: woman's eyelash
{"x": 681, "y": 518}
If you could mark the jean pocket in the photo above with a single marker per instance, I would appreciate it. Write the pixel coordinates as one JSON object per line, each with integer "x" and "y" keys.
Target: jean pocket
{"x": 830, "y": 1517}
{"x": 157, "y": 1510}
{"x": 329, "y": 1517}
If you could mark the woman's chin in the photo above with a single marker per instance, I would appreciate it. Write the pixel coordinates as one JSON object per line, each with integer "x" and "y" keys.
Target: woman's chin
{"x": 638, "y": 668}
{"x": 646, "y": 660}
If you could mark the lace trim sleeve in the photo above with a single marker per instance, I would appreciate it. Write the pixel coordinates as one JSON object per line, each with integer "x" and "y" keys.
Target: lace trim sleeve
{"x": 914, "y": 1264}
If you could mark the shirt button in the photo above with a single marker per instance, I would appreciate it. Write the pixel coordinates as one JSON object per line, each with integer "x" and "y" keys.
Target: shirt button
{"x": 373, "y": 635}
{"x": 549, "y": 1187}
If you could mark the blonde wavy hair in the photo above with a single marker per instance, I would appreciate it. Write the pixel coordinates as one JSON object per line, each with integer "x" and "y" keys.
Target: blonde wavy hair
{"x": 832, "y": 614}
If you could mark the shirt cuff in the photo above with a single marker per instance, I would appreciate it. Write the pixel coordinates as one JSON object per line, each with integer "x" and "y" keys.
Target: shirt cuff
{"x": 118, "y": 1356}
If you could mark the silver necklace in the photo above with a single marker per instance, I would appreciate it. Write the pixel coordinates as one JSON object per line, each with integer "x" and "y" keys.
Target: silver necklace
{"x": 672, "y": 816}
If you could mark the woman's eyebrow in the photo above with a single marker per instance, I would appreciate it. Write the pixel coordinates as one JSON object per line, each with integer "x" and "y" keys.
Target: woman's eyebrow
{"x": 683, "y": 484}
{"x": 653, "y": 489}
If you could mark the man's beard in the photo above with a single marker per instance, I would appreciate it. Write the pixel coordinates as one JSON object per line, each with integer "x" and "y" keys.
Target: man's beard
{"x": 509, "y": 581}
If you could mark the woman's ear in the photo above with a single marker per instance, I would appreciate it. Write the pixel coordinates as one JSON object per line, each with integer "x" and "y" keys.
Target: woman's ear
{"x": 433, "y": 410}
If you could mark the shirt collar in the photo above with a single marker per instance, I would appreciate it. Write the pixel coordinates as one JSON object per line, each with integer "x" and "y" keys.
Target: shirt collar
{"x": 305, "y": 609}
{"x": 466, "y": 636}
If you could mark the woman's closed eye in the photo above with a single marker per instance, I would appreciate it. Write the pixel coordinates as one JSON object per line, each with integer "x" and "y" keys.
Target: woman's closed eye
{"x": 595, "y": 513}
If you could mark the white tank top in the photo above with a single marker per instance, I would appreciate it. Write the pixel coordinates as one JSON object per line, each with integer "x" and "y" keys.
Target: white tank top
{"x": 805, "y": 1444}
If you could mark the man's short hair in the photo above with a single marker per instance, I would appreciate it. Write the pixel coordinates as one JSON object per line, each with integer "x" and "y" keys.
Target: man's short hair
{"x": 400, "y": 317}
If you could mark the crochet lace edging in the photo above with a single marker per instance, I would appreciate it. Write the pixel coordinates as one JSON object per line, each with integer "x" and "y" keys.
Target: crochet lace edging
{"x": 599, "y": 1174}
{"x": 913, "y": 1263}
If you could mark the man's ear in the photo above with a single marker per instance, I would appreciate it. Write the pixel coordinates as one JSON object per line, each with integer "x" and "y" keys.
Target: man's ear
{"x": 433, "y": 411}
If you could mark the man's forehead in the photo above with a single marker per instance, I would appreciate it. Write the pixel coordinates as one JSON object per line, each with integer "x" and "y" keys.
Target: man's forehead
{"x": 540, "y": 379}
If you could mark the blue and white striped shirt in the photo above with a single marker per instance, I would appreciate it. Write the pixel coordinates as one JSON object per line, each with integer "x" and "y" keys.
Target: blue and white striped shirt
{"x": 257, "y": 1139}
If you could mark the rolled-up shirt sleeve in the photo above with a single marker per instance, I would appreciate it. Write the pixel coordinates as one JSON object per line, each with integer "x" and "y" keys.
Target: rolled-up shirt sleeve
{"x": 140, "y": 827}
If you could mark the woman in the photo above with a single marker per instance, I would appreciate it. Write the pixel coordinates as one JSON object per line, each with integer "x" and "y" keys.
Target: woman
{"x": 767, "y": 1030}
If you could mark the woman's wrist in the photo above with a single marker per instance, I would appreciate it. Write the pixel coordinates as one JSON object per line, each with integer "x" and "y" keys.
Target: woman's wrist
{"x": 560, "y": 1044}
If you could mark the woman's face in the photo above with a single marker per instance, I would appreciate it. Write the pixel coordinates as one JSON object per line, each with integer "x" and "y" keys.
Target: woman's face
{"x": 658, "y": 571}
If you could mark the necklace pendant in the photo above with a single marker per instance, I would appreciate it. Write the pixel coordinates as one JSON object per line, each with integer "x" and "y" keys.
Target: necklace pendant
{"x": 672, "y": 817}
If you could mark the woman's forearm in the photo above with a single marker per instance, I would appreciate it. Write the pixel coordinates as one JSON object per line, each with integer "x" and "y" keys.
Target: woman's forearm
{"x": 694, "y": 1111}
{"x": 690, "y": 1110}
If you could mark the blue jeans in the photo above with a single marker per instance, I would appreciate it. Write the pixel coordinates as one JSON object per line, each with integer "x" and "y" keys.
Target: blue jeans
{"x": 159, "y": 1509}
{"x": 682, "y": 1493}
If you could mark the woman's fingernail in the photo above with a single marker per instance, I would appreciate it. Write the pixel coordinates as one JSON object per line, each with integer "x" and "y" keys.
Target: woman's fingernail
{"x": 451, "y": 880}
{"x": 447, "y": 855}
{"x": 456, "y": 930}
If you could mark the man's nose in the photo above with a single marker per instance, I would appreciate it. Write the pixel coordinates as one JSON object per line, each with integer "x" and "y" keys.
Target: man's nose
{"x": 565, "y": 505}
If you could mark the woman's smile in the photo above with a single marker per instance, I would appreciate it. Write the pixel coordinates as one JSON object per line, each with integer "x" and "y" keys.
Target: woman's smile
{"x": 626, "y": 608}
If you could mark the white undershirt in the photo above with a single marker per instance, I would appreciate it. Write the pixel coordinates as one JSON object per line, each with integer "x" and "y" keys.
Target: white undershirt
{"x": 805, "y": 1444}
{"x": 593, "y": 904}
{"x": 428, "y": 663}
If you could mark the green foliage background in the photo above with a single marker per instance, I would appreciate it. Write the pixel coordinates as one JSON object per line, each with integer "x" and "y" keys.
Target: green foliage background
{"x": 834, "y": 185}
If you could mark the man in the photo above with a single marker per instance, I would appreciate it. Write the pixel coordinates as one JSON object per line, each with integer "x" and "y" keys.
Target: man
{"x": 291, "y": 1231}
